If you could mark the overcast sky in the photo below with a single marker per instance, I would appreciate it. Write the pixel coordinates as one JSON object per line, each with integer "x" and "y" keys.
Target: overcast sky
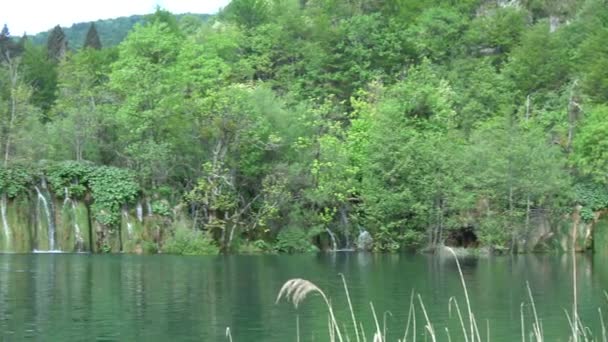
{"x": 33, "y": 16}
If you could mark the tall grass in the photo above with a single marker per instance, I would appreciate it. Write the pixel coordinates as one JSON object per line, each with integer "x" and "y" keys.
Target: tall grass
{"x": 296, "y": 290}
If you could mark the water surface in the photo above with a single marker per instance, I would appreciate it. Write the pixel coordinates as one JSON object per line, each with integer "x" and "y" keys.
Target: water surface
{"x": 76, "y": 297}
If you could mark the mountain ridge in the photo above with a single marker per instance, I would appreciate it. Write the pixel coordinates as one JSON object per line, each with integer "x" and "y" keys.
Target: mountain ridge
{"x": 111, "y": 31}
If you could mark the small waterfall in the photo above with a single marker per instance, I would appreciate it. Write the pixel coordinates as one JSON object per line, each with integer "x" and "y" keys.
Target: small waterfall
{"x": 77, "y": 235}
{"x": 129, "y": 224}
{"x": 66, "y": 195}
{"x": 49, "y": 216}
{"x": 78, "y": 240}
{"x": 365, "y": 242}
{"x": 149, "y": 207}
{"x": 6, "y": 228}
{"x": 345, "y": 224}
{"x": 140, "y": 212}
{"x": 334, "y": 244}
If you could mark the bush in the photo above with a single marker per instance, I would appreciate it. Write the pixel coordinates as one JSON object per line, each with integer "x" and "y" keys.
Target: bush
{"x": 190, "y": 242}
{"x": 294, "y": 240}
{"x": 494, "y": 231}
{"x": 149, "y": 247}
{"x": 161, "y": 208}
{"x": 254, "y": 247}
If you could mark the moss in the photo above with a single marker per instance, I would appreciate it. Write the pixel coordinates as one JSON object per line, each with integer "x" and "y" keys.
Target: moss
{"x": 73, "y": 217}
{"x": 19, "y": 222}
{"x": 600, "y": 236}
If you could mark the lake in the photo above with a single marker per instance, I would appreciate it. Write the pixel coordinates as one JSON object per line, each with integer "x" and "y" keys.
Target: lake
{"x": 82, "y": 297}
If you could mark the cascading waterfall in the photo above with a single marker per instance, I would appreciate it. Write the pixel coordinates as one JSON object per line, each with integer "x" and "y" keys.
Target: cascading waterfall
{"x": 344, "y": 223}
{"x": 129, "y": 224}
{"x": 334, "y": 244}
{"x": 78, "y": 235}
{"x": 78, "y": 240}
{"x": 66, "y": 196}
{"x": 6, "y": 228}
{"x": 149, "y": 207}
{"x": 140, "y": 212}
{"x": 51, "y": 223}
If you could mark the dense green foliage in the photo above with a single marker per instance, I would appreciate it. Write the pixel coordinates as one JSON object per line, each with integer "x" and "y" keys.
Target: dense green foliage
{"x": 189, "y": 242}
{"x": 302, "y": 123}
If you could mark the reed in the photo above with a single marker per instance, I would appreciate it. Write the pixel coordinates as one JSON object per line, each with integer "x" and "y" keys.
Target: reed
{"x": 297, "y": 290}
{"x": 228, "y": 334}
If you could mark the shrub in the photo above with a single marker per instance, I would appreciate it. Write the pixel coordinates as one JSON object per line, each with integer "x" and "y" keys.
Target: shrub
{"x": 149, "y": 247}
{"x": 190, "y": 242}
{"x": 161, "y": 208}
{"x": 294, "y": 240}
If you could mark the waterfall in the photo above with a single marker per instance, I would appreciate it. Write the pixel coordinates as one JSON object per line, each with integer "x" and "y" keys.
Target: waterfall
{"x": 78, "y": 240}
{"x": 149, "y": 207}
{"x": 345, "y": 224}
{"x": 365, "y": 242}
{"x": 77, "y": 236}
{"x": 7, "y": 231}
{"x": 140, "y": 212}
{"x": 66, "y": 196}
{"x": 47, "y": 209}
{"x": 334, "y": 244}
{"x": 129, "y": 225}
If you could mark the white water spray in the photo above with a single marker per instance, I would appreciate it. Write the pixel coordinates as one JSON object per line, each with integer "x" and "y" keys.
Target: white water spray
{"x": 45, "y": 204}
{"x": 77, "y": 235}
{"x": 149, "y": 207}
{"x": 334, "y": 244}
{"x": 140, "y": 212}
{"x": 129, "y": 225}
{"x": 66, "y": 196}
{"x": 7, "y": 231}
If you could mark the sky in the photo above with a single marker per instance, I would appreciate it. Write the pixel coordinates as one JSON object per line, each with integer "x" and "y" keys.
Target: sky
{"x": 33, "y": 16}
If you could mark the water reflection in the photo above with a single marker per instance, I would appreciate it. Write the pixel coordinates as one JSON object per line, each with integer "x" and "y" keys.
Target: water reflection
{"x": 159, "y": 298}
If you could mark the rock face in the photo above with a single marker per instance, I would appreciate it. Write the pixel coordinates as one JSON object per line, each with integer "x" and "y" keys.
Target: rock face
{"x": 56, "y": 224}
{"x": 365, "y": 242}
{"x": 567, "y": 232}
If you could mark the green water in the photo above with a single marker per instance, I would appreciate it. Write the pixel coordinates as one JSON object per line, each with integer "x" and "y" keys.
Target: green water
{"x": 81, "y": 297}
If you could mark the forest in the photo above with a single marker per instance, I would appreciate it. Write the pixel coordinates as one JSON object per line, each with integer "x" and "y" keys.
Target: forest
{"x": 298, "y": 125}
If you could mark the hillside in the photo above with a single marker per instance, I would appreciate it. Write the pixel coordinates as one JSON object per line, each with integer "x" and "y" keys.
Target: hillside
{"x": 111, "y": 31}
{"x": 294, "y": 126}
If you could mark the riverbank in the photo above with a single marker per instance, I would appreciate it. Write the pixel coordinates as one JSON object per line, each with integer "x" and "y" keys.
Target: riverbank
{"x": 76, "y": 207}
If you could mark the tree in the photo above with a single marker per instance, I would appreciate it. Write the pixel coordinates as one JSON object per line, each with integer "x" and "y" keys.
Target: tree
{"x": 41, "y": 73}
{"x": 57, "y": 44}
{"x": 514, "y": 171}
{"x": 437, "y": 33}
{"x": 238, "y": 139}
{"x": 593, "y": 64}
{"x": 540, "y": 63}
{"x": 5, "y": 42}
{"x": 248, "y": 13}
{"x": 16, "y": 111}
{"x": 497, "y": 32}
{"x": 142, "y": 79}
{"x": 78, "y": 112}
{"x": 591, "y": 144}
{"x": 407, "y": 174}
{"x": 9, "y": 49}
{"x": 92, "y": 40}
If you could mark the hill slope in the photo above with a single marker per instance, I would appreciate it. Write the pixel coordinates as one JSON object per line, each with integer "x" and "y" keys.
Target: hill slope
{"x": 111, "y": 31}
